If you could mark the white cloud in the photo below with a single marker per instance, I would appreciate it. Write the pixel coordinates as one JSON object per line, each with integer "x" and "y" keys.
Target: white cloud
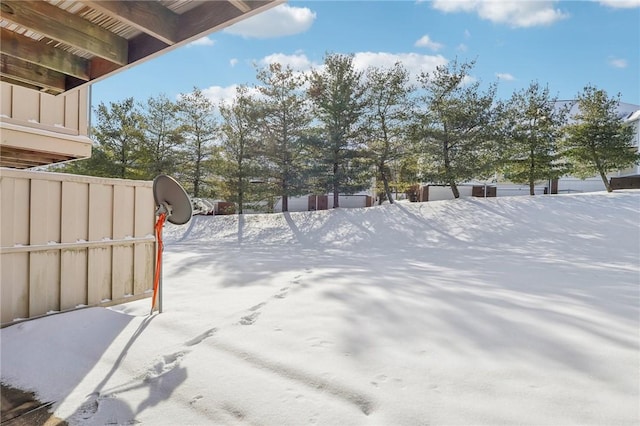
{"x": 462, "y": 47}
{"x": 283, "y": 20}
{"x": 505, "y": 76}
{"x": 621, "y": 4}
{"x": 233, "y": 62}
{"x": 225, "y": 95}
{"x": 413, "y": 62}
{"x": 468, "y": 79}
{"x": 425, "y": 41}
{"x": 204, "y": 41}
{"x": 513, "y": 13}
{"x": 297, "y": 62}
{"x": 618, "y": 63}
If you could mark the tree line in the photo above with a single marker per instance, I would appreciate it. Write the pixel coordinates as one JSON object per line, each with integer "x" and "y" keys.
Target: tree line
{"x": 336, "y": 128}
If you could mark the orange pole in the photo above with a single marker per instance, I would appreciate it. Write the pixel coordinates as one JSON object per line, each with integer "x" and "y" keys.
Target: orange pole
{"x": 159, "y": 248}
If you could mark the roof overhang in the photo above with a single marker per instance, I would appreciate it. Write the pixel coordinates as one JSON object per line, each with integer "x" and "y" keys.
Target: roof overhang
{"x": 58, "y": 45}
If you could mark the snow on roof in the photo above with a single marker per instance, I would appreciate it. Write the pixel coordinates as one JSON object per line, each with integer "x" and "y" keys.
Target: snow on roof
{"x": 634, "y": 116}
{"x": 624, "y": 110}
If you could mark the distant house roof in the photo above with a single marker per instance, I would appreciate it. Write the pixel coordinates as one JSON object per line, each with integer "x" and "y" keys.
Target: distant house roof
{"x": 634, "y": 116}
{"x": 57, "y": 45}
{"x": 625, "y": 110}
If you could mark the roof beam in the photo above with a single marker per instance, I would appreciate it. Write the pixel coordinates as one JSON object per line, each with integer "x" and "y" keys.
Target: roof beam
{"x": 214, "y": 15}
{"x": 45, "y": 55}
{"x": 26, "y": 72}
{"x": 46, "y": 19}
{"x": 147, "y": 16}
{"x": 241, "y": 5}
{"x": 205, "y": 17}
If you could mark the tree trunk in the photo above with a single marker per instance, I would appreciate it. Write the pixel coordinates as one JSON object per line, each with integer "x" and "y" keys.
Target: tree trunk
{"x": 532, "y": 187}
{"x": 387, "y": 190}
{"x": 336, "y": 193}
{"x": 240, "y": 196}
{"x": 385, "y": 183}
{"x": 605, "y": 181}
{"x": 603, "y": 176}
{"x": 285, "y": 203}
{"x": 454, "y": 189}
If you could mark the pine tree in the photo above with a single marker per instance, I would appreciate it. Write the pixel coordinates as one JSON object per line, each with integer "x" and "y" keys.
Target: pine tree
{"x": 119, "y": 135}
{"x": 455, "y": 126}
{"x": 198, "y": 126}
{"x": 386, "y": 114}
{"x": 285, "y": 118}
{"x": 239, "y": 163}
{"x": 162, "y": 136}
{"x": 598, "y": 141}
{"x": 532, "y": 125}
{"x": 338, "y": 96}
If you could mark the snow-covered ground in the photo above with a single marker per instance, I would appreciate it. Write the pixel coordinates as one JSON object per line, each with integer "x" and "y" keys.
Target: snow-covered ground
{"x": 511, "y": 310}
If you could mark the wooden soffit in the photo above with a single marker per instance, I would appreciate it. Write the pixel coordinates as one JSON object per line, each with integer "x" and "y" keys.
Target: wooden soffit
{"x": 58, "y": 45}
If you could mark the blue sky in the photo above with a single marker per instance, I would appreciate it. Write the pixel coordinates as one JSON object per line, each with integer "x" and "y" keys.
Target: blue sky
{"x": 565, "y": 44}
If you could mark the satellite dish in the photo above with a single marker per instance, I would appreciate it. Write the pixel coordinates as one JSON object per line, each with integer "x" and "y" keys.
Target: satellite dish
{"x": 173, "y": 204}
{"x": 172, "y": 199}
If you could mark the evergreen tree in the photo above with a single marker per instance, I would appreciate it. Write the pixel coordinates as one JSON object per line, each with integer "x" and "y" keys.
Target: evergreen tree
{"x": 285, "y": 118}
{"x": 532, "y": 125}
{"x": 99, "y": 164}
{"x": 388, "y": 104}
{"x": 455, "y": 126}
{"x": 162, "y": 137}
{"x": 239, "y": 150}
{"x": 599, "y": 142}
{"x": 119, "y": 135}
{"x": 199, "y": 130}
{"x": 338, "y": 96}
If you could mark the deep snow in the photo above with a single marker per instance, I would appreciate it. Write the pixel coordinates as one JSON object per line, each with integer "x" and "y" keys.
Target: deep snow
{"x": 512, "y": 310}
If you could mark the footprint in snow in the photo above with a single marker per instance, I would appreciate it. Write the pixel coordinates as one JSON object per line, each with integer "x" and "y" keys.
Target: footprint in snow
{"x": 283, "y": 293}
{"x": 258, "y": 306}
{"x": 249, "y": 319}
{"x": 201, "y": 337}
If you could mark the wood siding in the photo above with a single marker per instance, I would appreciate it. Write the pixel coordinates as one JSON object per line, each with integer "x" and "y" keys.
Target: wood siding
{"x": 39, "y": 128}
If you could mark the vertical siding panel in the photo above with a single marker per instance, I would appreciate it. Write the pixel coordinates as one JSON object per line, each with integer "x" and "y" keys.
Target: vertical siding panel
{"x": 6, "y": 94}
{"x": 14, "y": 273}
{"x": 145, "y": 259}
{"x": 52, "y": 209}
{"x": 71, "y": 116}
{"x": 51, "y": 110}
{"x": 14, "y": 267}
{"x": 83, "y": 110}
{"x": 123, "y": 220}
{"x": 99, "y": 267}
{"x": 144, "y": 226}
{"x": 44, "y": 267}
{"x": 25, "y": 104}
{"x": 73, "y": 262}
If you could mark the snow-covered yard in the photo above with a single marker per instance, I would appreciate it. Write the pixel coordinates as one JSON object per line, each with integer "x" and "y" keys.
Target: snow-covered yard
{"x": 511, "y": 310}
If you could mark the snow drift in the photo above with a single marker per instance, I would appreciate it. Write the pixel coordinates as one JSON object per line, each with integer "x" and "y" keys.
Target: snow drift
{"x": 475, "y": 311}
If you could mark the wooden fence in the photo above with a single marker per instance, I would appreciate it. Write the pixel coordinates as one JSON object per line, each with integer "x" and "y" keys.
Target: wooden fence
{"x": 71, "y": 241}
